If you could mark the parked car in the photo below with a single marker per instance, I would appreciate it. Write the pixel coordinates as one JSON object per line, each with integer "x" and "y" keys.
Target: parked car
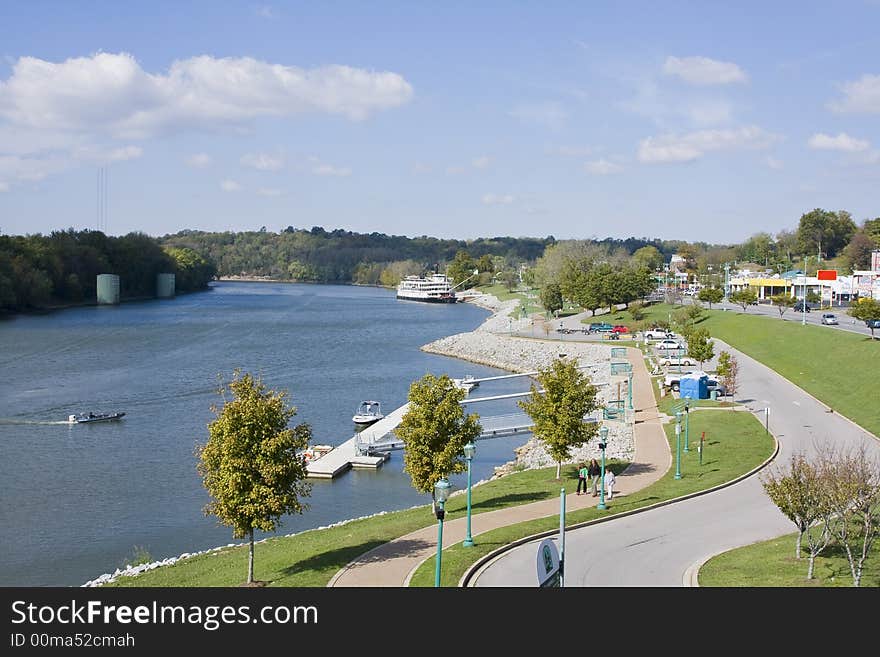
{"x": 657, "y": 334}
{"x": 620, "y": 328}
{"x": 669, "y": 345}
{"x": 600, "y": 327}
{"x": 801, "y": 307}
{"x": 829, "y": 319}
{"x": 675, "y": 361}
{"x": 872, "y": 323}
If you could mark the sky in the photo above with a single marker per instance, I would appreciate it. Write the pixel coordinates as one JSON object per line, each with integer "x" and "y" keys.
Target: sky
{"x": 705, "y": 121}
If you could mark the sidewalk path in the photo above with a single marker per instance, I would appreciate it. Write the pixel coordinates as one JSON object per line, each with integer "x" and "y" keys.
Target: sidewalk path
{"x": 393, "y": 563}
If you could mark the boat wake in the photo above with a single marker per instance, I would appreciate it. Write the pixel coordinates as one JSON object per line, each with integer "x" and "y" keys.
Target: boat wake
{"x": 43, "y": 422}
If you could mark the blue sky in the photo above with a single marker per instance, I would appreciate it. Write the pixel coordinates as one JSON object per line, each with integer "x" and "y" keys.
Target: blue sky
{"x": 698, "y": 121}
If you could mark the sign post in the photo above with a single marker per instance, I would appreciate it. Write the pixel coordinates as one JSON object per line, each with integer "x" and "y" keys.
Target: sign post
{"x": 549, "y": 565}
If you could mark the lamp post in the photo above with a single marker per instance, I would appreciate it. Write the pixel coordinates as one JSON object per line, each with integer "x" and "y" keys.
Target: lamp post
{"x": 726, "y": 282}
{"x": 804, "y": 302}
{"x": 687, "y": 423}
{"x": 629, "y": 382}
{"x": 441, "y": 492}
{"x": 677, "y": 446}
{"x": 603, "y": 442}
{"x": 469, "y": 450}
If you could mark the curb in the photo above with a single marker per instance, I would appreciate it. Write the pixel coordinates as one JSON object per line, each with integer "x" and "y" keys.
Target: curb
{"x": 473, "y": 572}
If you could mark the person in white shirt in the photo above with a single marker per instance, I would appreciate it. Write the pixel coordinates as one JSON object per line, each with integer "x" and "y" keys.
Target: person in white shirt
{"x": 609, "y": 483}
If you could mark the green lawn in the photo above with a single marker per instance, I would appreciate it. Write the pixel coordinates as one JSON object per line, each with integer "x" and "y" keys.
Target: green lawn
{"x": 772, "y": 563}
{"x": 837, "y": 367}
{"x": 735, "y": 443}
{"x": 312, "y": 557}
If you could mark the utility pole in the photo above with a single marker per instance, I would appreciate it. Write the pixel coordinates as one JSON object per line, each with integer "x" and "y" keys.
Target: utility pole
{"x": 726, "y": 282}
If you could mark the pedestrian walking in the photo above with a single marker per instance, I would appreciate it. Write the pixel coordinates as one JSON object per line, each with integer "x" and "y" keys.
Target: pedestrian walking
{"x": 609, "y": 484}
{"x": 582, "y": 478}
{"x": 595, "y": 473}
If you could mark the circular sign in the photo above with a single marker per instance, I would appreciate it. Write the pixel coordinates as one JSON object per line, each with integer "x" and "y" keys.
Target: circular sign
{"x": 548, "y": 563}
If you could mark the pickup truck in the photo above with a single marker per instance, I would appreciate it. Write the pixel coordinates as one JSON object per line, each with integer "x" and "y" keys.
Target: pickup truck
{"x": 600, "y": 327}
{"x": 657, "y": 334}
{"x": 712, "y": 383}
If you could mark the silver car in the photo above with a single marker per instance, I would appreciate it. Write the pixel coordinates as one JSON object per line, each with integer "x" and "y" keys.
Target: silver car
{"x": 829, "y": 319}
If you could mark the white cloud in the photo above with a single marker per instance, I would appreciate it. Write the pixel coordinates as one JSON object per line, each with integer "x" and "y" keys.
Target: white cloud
{"x": 693, "y": 145}
{"x": 262, "y": 161}
{"x": 4, "y": 186}
{"x": 230, "y": 186}
{"x": 16, "y": 168}
{"x": 420, "y": 167}
{"x": 199, "y": 160}
{"x": 481, "y": 162}
{"x": 602, "y": 167}
{"x": 265, "y": 11}
{"x": 498, "y": 199}
{"x": 551, "y": 114}
{"x": 773, "y": 163}
{"x": 111, "y": 93}
{"x": 125, "y": 153}
{"x": 330, "y": 170}
{"x": 842, "y": 142}
{"x": 268, "y": 191}
{"x": 454, "y": 170}
{"x": 704, "y": 71}
{"x": 862, "y": 95}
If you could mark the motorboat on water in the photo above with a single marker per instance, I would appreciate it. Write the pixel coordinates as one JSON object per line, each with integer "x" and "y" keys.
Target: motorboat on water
{"x": 368, "y": 412}
{"x": 83, "y": 418}
{"x": 466, "y": 383}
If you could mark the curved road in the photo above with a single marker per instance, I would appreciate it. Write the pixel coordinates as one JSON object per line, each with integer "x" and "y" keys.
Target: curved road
{"x": 660, "y": 547}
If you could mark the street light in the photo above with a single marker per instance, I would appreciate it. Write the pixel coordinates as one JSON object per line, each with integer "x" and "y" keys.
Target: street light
{"x": 677, "y": 447}
{"x": 687, "y": 423}
{"x": 804, "y": 301}
{"x": 469, "y": 450}
{"x": 441, "y": 492}
{"x": 603, "y": 442}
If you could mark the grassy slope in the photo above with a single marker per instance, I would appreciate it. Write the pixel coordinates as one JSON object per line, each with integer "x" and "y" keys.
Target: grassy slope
{"x": 772, "y": 563}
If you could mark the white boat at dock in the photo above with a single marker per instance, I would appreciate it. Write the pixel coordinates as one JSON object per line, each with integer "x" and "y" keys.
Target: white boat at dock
{"x": 466, "y": 383}
{"x": 368, "y": 413}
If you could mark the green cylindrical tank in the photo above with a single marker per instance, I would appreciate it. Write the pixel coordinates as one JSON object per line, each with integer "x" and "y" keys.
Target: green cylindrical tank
{"x": 164, "y": 286}
{"x": 108, "y": 289}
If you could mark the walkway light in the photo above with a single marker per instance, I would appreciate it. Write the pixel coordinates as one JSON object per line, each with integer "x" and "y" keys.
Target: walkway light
{"x": 678, "y": 444}
{"x": 469, "y": 450}
{"x": 603, "y": 443}
{"x": 441, "y": 492}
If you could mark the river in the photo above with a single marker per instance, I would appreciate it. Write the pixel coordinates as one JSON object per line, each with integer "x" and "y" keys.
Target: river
{"x": 79, "y": 500}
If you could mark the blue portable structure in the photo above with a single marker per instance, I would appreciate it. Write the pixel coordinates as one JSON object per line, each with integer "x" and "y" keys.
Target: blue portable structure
{"x": 694, "y": 386}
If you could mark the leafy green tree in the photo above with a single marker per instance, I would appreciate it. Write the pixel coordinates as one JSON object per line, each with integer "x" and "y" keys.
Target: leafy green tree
{"x": 782, "y": 302}
{"x": 867, "y": 310}
{"x": 744, "y": 297}
{"x": 858, "y": 251}
{"x": 648, "y": 257}
{"x": 728, "y": 370}
{"x": 251, "y": 465}
{"x": 813, "y": 297}
{"x": 510, "y": 279}
{"x": 551, "y": 297}
{"x": 461, "y": 268}
{"x": 434, "y": 431}
{"x": 558, "y": 412}
{"x": 824, "y": 232}
{"x": 711, "y": 295}
{"x": 637, "y": 310}
{"x": 799, "y": 492}
{"x": 700, "y": 347}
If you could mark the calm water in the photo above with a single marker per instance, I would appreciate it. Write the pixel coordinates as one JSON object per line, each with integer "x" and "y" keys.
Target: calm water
{"x": 76, "y": 500}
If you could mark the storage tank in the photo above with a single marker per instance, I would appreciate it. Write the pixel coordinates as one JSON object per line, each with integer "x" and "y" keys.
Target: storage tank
{"x": 108, "y": 289}
{"x": 164, "y": 286}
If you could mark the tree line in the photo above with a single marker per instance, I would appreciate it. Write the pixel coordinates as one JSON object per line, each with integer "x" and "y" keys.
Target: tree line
{"x": 61, "y": 268}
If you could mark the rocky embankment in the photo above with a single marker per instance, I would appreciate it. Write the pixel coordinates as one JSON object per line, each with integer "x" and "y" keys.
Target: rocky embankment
{"x": 491, "y": 344}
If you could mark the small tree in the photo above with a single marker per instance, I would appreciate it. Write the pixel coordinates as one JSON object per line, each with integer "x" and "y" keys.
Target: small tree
{"x": 551, "y": 297}
{"x": 434, "y": 431}
{"x": 867, "y": 310}
{"x": 251, "y": 465}
{"x": 559, "y": 412}
{"x": 813, "y": 297}
{"x": 782, "y": 302}
{"x": 637, "y": 310}
{"x": 700, "y": 347}
{"x": 711, "y": 295}
{"x": 728, "y": 370}
{"x": 744, "y": 297}
{"x": 852, "y": 484}
{"x": 799, "y": 492}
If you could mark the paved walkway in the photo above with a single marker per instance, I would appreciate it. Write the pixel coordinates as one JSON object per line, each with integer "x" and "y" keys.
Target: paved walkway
{"x": 393, "y": 563}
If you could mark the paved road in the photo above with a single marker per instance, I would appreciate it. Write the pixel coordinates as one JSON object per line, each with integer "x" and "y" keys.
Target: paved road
{"x": 658, "y": 547}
